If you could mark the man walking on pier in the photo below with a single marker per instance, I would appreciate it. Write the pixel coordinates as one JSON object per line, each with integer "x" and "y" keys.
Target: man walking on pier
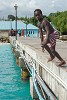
{"x": 51, "y": 36}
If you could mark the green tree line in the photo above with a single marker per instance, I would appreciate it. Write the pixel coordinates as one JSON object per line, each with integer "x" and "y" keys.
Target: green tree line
{"x": 59, "y": 19}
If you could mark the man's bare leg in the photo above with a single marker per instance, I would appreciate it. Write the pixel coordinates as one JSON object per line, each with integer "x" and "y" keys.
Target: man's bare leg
{"x": 58, "y": 56}
{"x": 50, "y": 52}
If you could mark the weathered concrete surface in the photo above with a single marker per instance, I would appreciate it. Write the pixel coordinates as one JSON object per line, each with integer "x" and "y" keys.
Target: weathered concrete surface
{"x": 32, "y": 46}
{"x": 34, "y": 43}
{"x": 61, "y": 48}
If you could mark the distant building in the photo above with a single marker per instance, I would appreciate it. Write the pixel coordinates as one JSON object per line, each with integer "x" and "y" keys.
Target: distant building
{"x": 32, "y": 31}
{"x": 28, "y": 30}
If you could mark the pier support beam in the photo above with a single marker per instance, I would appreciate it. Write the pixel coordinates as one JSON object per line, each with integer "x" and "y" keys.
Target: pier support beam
{"x": 13, "y": 49}
{"x": 17, "y": 55}
{"x": 22, "y": 63}
{"x": 32, "y": 90}
{"x": 24, "y": 72}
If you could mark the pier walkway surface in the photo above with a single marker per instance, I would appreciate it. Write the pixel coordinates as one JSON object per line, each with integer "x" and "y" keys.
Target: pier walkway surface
{"x": 55, "y": 76}
{"x": 34, "y": 43}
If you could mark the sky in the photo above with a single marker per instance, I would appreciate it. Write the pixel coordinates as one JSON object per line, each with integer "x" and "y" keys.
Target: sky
{"x": 27, "y": 7}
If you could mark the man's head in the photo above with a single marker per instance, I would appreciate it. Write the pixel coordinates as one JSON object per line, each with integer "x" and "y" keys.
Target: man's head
{"x": 38, "y": 14}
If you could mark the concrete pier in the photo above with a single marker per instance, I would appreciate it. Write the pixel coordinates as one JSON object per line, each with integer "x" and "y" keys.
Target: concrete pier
{"x": 48, "y": 76}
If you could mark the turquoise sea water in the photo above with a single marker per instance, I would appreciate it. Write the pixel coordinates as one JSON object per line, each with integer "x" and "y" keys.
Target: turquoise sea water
{"x": 12, "y": 87}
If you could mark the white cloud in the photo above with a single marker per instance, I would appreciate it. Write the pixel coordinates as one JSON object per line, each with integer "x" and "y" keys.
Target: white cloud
{"x": 27, "y": 7}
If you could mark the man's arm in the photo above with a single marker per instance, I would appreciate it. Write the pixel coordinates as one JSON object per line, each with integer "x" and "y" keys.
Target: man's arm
{"x": 41, "y": 34}
{"x": 46, "y": 25}
{"x": 40, "y": 31}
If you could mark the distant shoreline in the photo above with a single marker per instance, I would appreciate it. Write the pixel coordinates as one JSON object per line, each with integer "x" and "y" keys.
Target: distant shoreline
{"x": 4, "y": 43}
